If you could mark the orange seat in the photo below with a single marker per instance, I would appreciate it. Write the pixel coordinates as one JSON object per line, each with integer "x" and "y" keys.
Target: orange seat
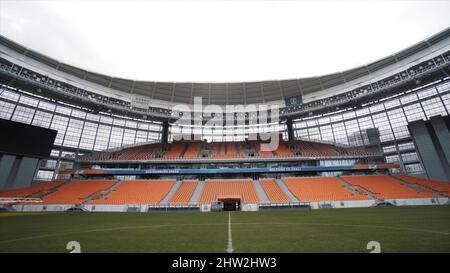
{"x": 76, "y": 192}
{"x": 223, "y": 150}
{"x": 138, "y": 192}
{"x": 384, "y": 187}
{"x": 273, "y": 191}
{"x": 215, "y": 188}
{"x": 283, "y": 150}
{"x": 30, "y": 191}
{"x": 184, "y": 193}
{"x": 442, "y": 187}
{"x": 174, "y": 150}
{"x": 193, "y": 150}
{"x": 320, "y": 189}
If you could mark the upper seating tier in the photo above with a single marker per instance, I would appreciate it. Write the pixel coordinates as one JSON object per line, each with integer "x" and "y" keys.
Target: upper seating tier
{"x": 225, "y": 150}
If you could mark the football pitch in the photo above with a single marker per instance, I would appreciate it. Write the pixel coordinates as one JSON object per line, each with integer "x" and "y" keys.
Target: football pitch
{"x": 396, "y": 229}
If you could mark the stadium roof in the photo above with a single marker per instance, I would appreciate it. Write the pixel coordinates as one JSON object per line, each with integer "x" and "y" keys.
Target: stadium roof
{"x": 230, "y": 93}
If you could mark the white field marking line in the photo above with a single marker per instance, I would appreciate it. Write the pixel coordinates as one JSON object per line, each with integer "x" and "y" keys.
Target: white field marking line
{"x": 216, "y": 224}
{"x": 345, "y": 225}
{"x": 230, "y": 239}
{"x": 102, "y": 230}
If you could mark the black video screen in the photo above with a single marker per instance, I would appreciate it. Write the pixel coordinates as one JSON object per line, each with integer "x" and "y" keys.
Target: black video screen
{"x": 26, "y": 140}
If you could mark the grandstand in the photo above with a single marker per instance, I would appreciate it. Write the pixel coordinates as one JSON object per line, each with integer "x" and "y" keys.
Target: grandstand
{"x": 369, "y": 136}
{"x": 245, "y": 194}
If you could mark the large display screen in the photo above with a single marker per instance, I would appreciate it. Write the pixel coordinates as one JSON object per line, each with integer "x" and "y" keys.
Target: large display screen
{"x": 26, "y": 140}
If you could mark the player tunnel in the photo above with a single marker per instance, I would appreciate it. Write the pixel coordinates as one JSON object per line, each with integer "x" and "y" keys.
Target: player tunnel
{"x": 230, "y": 202}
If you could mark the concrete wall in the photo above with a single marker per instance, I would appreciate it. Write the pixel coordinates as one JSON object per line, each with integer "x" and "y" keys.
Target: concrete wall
{"x": 6, "y": 164}
{"x": 442, "y": 135}
{"x": 429, "y": 139}
{"x": 17, "y": 172}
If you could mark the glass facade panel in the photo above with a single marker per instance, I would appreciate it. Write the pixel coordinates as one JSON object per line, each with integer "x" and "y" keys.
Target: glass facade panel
{"x": 23, "y": 114}
{"x": 85, "y": 131}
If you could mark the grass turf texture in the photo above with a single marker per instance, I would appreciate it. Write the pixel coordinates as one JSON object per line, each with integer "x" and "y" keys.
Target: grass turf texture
{"x": 398, "y": 229}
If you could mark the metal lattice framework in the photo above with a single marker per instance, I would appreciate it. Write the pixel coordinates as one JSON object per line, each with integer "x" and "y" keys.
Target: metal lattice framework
{"x": 169, "y": 93}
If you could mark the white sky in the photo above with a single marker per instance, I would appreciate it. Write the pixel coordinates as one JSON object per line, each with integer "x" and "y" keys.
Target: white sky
{"x": 220, "y": 41}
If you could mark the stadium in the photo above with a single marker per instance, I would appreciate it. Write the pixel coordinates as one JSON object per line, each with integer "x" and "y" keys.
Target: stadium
{"x": 144, "y": 166}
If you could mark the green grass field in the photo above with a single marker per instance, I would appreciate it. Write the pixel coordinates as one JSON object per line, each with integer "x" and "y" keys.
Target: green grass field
{"x": 397, "y": 229}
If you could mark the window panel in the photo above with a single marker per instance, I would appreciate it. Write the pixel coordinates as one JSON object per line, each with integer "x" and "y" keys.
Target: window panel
{"x": 426, "y": 93}
{"x": 433, "y": 107}
{"x": 116, "y": 137}
{"x": 414, "y": 112}
{"x": 339, "y": 133}
{"x": 88, "y": 136}
{"x": 23, "y": 114}
{"x": 59, "y": 123}
{"x": 28, "y": 101}
{"x": 6, "y": 110}
{"x": 384, "y": 128}
{"x": 399, "y": 123}
{"x": 73, "y": 133}
{"x": 42, "y": 119}
{"x": 9, "y": 95}
{"x": 101, "y": 142}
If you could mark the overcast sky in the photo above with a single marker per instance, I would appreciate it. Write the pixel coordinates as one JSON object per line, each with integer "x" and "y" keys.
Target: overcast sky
{"x": 220, "y": 40}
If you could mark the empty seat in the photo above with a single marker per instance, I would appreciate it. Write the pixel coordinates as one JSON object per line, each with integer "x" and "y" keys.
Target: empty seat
{"x": 273, "y": 191}
{"x": 320, "y": 189}
{"x": 231, "y": 150}
{"x": 220, "y": 150}
{"x": 32, "y": 191}
{"x": 384, "y": 187}
{"x": 139, "y": 192}
{"x": 193, "y": 150}
{"x": 184, "y": 193}
{"x": 283, "y": 150}
{"x": 442, "y": 187}
{"x": 216, "y": 188}
{"x": 174, "y": 150}
{"x": 77, "y": 192}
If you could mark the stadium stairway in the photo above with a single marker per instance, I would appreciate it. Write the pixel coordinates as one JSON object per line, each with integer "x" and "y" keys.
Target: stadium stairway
{"x": 347, "y": 186}
{"x": 42, "y": 194}
{"x": 260, "y": 191}
{"x": 171, "y": 193}
{"x": 369, "y": 193}
{"x": 110, "y": 190}
{"x": 89, "y": 199}
{"x": 406, "y": 184}
{"x": 197, "y": 193}
{"x": 286, "y": 191}
{"x": 416, "y": 187}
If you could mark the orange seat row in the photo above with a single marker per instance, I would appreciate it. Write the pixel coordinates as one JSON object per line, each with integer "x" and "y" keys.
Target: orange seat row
{"x": 273, "y": 191}
{"x": 77, "y": 192}
{"x": 214, "y": 189}
{"x": 320, "y": 189}
{"x": 442, "y": 187}
{"x": 385, "y": 187}
{"x": 30, "y": 191}
{"x": 138, "y": 192}
{"x": 184, "y": 193}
